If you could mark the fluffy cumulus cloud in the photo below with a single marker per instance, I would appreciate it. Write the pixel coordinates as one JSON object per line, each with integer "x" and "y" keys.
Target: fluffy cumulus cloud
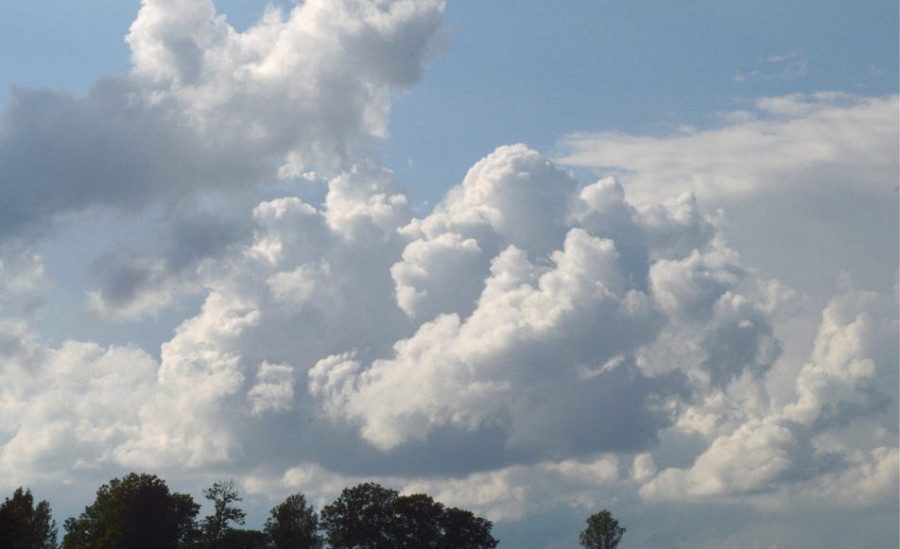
{"x": 64, "y": 409}
{"x": 531, "y": 342}
{"x": 550, "y": 331}
{"x": 841, "y": 429}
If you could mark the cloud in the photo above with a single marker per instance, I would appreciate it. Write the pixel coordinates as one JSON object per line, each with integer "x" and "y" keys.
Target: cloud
{"x": 788, "y": 66}
{"x": 23, "y": 279}
{"x": 802, "y": 179}
{"x": 834, "y": 435}
{"x": 135, "y": 283}
{"x": 310, "y": 317}
{"x": 550, "y": 335}
{"x": 790, "y": 142}
{"x": 532, "y": 342}
{"x": 63, "y": 409}
{"x": 508, "y": 493}
{"x": 206, "y": 106}
{"x": 274, "y": 389}
{"x": 624, "y": 361}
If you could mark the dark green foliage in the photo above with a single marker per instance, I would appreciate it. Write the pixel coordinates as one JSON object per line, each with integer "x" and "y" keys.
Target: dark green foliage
{"x": 416, "y": 522}
{"x": 369, "y": 516}
{"x": 602, "y": 532}
{"x": 462, "y": 530}
{"x": 360, "y": 518}
{"x": 218, "y": 525}
{"x": 139, "y": 512}
{"x": 236, "y": 538}
{"x": 24, "y": 526}
{"x": 294, "y": 524}
{"x": 135, "y": 512}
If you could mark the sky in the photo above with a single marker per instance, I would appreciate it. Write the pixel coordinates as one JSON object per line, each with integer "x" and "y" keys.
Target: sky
{"x": 534, "y": 259}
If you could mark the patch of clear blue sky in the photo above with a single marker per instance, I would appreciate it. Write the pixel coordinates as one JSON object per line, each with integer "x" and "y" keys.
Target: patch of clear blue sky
{"x": 514, "y": 71}
{"x": 534, "y": 70}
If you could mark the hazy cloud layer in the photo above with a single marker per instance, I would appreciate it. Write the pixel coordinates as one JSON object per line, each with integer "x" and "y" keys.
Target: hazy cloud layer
{"x": 784, "y": 142}
{"x": 804, "y": 181}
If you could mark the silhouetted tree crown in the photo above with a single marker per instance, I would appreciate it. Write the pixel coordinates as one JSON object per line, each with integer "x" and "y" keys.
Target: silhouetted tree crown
{"x": 135, "y": 512}
{"x": 24, "y": 526}
{"x": 294, "y": 524}
{"x": 602, "y": 532}
{"x": 461, "y": 529}
{"x": 369, "y": 516}
{"x": 138, "y": 511}
{"x": 236, "y": 538}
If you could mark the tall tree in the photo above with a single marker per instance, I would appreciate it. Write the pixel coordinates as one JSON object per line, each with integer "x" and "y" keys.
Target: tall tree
{"x": 217, "y": 525}
{"x": 416, "y": 522}
{"x": 294, "y": 524}
{"x": 460, "y": 529}
{"x": 360, "y": 518}
{"x": 24, "y": 526}
{"x": 602, "y": 532}
{"x": 135, "y": 512}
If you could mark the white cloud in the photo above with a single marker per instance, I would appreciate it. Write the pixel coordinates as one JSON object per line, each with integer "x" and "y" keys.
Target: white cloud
{"x": 823, "y": 139}
{"x": 509, "y": 493}
{"x": 320, "y": 290}
{"x": 200, "y": 372}
{"x": 274, "y": 389}
{"x": 508, "y": 351}
{"x": 804, "y": 187}
{"x": 638, "y": 327}
{"x": 755, "y": 457}
{"x": 66, "y": 409}
{"x": 430, "y": 278}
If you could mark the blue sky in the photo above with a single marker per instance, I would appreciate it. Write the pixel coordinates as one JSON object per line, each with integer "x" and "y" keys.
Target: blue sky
{"x": 532, "y": 71}
{"x": 533, "y": 258}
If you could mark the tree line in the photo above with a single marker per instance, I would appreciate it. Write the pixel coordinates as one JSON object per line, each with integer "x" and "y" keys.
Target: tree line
{"x": 138, "y": 511}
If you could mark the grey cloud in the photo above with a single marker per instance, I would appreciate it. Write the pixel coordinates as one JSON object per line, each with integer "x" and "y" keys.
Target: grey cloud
{"x": 136, "y": 282}
{"x": 207, "y": 107}
{"x": 809, "y": 443}
{"x": 23, "y": 279}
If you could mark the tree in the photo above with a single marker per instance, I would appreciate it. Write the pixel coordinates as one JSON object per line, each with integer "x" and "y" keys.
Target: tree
{"x": 135, "y": 512}
{"x": 460, "y": 529}
{"x": 369, "y": 516}
{"x": 236, "y": 538}
{"x": 416, "y": 522}
{"x": 217, "y": 525}
{"x": 360, "y": 518}
{"x": 24, "y": 526}
{"x": 602, "y": 532}
{"x": 294, "y": 524}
